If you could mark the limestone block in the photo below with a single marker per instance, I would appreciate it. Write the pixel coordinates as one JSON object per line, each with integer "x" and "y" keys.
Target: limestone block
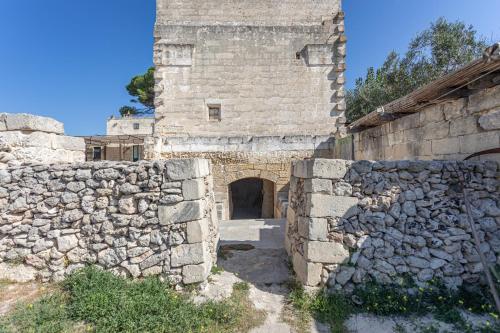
{"x": 197, "y": 231}
{"x": 323, "y": 205}
{"x": 195, "y": 273}
{"x": 325, "y": 252}
{"x": 187, "y": 169}
{"x": 463, "y": 126}
{"x": 193, "y": 189}
{"x": 484, "y": 100}
{"x": 68, "y": 143}
{"x": 189, "y": 254}
{"x": 181, "y": 212}
{"x": 28, "y": 122}
{"x": 445, "y": 146}
{"x": 308, "y": 273}
{"x": 313, "y": 228}
{"x": 315, "y": 185}
{"x": 320, "y": 168}
{"x": 474, "y": 143}
{"x": 66, "y": 243}
{"x": 490, "y": 121}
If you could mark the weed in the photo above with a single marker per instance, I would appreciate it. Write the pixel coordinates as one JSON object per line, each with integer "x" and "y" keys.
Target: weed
{"x": 241, "y": 286}
{"x": 216, "y": 270}
{"x": 107, "y": 303}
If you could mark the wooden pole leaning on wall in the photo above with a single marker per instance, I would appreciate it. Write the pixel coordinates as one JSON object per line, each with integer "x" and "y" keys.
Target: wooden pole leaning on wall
{"x": 477, "y": 241}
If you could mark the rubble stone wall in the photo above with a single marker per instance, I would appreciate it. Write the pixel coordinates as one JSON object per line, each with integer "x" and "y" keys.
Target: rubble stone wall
{"x": 353, "y": 221}
{"x": 35, "y": 139}
{"x": 136, "y": 219}
{"x": 450, "y": 130}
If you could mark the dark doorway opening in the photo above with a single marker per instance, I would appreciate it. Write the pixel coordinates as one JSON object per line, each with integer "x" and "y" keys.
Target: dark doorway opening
{"x": 247, "y": 197}
{"x": 251, "y": 198}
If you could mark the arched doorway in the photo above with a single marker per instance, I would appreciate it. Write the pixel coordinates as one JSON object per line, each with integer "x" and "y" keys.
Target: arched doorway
{"x": 251, "y": 198}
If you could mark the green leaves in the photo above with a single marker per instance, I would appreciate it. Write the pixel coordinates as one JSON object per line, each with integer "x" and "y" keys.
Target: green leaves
{"x": 142, "y": 87}
{"x": 442, "y": 48}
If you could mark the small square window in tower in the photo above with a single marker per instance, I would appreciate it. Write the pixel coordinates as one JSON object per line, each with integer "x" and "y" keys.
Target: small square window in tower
{"x": 136, "y": 126}
{"x": 214, "y": 113}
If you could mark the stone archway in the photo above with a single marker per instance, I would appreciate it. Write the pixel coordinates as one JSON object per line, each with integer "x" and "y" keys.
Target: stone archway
{"x": 251, "y": 198}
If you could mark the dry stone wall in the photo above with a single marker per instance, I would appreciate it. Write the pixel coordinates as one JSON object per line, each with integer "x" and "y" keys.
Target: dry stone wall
{"x": 30, "y": 138}
{"x": 136, "y": 219}
{"x": 349, "y": 222}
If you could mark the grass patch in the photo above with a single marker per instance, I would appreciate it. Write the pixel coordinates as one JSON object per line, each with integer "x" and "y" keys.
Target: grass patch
{"x": 106, "y": 303}
{"x": 403, "y": 299}
{"x": 216, "y": 270}
{"x": 332, "y": 309}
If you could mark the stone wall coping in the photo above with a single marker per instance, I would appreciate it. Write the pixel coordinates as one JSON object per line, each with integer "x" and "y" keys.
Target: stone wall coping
{"x": 29, "y": 122}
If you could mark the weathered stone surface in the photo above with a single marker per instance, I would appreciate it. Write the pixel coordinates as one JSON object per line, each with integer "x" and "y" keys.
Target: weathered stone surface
{"x": 325, "y": 252}
{"x": 197, "y": 231}
{"x": 321, "y": 205}
{"x": 29, "y": 122}
{"x": 66, "y": 243}
{"x": 181, "y": 212}
{"x": 308, "y": 273}
{"x": 187, "y": 169}
{"x": 193, "y": 189}
{"x": 195, "y": 273}
{"x": 490, "y": 121}
{"x": 188, "y": 254}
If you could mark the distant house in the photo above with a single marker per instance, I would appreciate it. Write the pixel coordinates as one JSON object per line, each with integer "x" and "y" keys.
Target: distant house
{"x": 124, "y": 140}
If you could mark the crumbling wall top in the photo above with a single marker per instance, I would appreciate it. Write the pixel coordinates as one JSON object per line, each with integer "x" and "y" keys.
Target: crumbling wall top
{"x": 30, "y": 123}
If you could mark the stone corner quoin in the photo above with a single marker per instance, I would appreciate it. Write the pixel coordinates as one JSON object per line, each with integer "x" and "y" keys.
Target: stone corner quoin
{"x": 134, "y": 219}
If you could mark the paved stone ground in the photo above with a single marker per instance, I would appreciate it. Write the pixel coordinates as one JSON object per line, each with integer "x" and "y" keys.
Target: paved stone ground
{"x": 265, "y": 268}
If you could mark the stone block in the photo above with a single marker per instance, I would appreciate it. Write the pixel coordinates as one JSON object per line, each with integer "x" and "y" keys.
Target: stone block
{"x": 313, "y": 228}
{"x": 325, "y": 252}
{"x": 320, "y": 168}
{"x": 195, "y": 273}
{"x": 439, "y": 130}
{"x": 193, "y": 189}
{"x": 184, "y": 211}
{"x": 315, "y": 185}
{"x": 474, "y": 143}
{"x": 68, "y": 143}
{"x": 446, "y": 146}
{"x": 66, "y": 243}
{"x": 308, "y": 273}
{"x": 29, "y": 122}
{"x": 189, "y": 254}
{"x": 187, "y": 169}
{"x": 323, "y": 205}
{"x": 197, "y": 231}
{"x": 490, "y": 121}
{"x": 484, "y": 100}
{"x": 464, "y": 126}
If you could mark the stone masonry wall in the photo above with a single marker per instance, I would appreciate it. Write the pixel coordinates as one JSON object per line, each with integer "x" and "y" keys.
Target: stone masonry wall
{"x": 135, "y": 219}
{"x": 35, "y": 139}
{"x": 449, "y": 131}
{"x": 353, "y": 221}
{"x": 240, "y": 157}
{"x": 271, "y": 67}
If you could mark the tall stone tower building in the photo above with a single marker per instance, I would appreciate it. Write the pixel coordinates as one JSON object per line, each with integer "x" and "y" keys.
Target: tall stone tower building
{"x": 251, "y": 84}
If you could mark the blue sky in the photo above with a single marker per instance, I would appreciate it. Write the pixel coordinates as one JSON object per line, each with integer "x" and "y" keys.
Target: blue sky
{"x": 70, "y": 59}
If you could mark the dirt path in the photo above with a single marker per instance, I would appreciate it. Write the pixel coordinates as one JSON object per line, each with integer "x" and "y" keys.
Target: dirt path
{"x": 252, "y": 251}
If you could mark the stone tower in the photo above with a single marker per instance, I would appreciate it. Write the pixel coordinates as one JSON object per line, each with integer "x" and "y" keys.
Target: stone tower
{"x": 248, "y": 82}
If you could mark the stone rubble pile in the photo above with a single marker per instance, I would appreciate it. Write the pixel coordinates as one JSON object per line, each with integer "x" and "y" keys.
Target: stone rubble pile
{"x": 349, "y": 222}
{"x": 135, "y": 219}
